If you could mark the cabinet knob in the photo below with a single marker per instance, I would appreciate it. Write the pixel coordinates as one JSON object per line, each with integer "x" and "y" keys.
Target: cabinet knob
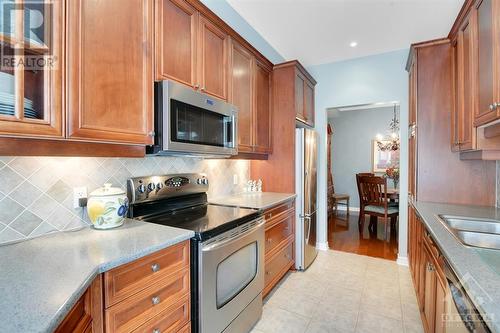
{"x": 151, "y": 133}
{"x": 155, "y": 300}
{"x": 203, "y": 88}
{"x": 492, "y": 107}
{"x": 196, "y": 86}
{"x": 268, "y": 273}
{"x": 269, "y": 240}
{"x": 155, "y": 267}
{"x": 156, "y": 330}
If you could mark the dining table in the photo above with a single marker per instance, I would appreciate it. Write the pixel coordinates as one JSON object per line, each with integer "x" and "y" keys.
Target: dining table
{"x": 393, "y": 194}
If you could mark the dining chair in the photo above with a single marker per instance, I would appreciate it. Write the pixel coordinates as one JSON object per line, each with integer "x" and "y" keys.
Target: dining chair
{"x": 374, "y": 201}
{"x": 336, "y": 197}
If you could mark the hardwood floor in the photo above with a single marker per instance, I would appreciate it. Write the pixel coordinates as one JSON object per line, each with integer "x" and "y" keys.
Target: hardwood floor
{"x": 344, "y": 235}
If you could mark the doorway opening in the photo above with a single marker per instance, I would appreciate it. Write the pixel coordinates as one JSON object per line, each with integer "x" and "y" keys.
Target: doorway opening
{"x": 363, "y": 179}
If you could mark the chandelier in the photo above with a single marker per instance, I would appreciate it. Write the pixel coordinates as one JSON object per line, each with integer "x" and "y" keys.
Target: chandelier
{"x": 390, "y": 141}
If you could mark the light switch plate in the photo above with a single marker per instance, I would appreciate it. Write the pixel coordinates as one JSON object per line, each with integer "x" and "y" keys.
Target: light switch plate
{"x": 78, "y": 193}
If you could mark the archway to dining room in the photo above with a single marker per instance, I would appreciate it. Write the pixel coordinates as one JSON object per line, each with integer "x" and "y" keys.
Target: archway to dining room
{"x": 363, "y": 177}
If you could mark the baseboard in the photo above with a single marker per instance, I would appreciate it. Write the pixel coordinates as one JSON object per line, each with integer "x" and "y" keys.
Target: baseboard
{"x": 403, "y": 261}
{"x": 351, "y": 209}
{"x": 322, "y": 246}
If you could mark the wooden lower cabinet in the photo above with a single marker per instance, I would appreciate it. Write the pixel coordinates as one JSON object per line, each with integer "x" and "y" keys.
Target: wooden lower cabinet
{"x": 427, "y": 270}
{"x": 86, "y": 314}
{"x": 280, "y": 243}
{"x": 151, "y": 294}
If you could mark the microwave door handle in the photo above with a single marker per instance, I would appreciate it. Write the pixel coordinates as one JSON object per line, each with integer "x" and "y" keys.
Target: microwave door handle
{"x": 234, "y": 131}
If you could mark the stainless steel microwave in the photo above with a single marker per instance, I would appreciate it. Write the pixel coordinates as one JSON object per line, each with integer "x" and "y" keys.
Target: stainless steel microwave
{"x": 189, "y": 122}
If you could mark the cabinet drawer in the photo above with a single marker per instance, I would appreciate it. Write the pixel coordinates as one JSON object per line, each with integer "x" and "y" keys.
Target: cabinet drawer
{"x": 277, "y": 266}
{"x": 131, "y": 313}
{"x": 186, "y": 329}
{"x": 129, "y": 279}
{"x": 276, "y": 212}
{"x": 173, "y": 319}
{"x": 279, "y": 233}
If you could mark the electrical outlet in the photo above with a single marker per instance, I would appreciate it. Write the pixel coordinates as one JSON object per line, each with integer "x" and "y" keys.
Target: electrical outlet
{"x": 235, "y": 179}
{"x": 78, "y": 193}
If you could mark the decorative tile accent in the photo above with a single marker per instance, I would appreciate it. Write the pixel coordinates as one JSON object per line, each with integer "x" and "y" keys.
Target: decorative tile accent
{"x": 59, "y": 191}
{"x": 36, "y": 192}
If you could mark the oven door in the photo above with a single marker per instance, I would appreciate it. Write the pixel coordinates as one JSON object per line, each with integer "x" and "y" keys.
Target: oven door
{"x": 195, "y": 123}
{"x": 230, "y": 275}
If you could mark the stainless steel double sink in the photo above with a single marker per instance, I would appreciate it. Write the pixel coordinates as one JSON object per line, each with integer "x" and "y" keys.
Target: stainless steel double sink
{"x": 483, "y": 233}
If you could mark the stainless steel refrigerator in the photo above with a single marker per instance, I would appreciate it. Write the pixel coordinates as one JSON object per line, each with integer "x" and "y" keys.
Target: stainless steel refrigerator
{"x": 306, "y": 158}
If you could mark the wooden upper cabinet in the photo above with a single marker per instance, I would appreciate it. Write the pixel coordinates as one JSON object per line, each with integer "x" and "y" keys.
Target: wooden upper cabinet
{"x": 212, "y": 60}
{"x": 488, "y": 53}
{"x": 241, "y": 94}
{"x": 299, "y": 96}
{"x": 30, "y": 94}
{"x": 110, "y": 92}
{"x": 304, "y": 96}
{"x": 263, "y": 115}
{"x": 176, "y": 36}
{"x": 465, "y": 86}
{"x": 309, "y": 102}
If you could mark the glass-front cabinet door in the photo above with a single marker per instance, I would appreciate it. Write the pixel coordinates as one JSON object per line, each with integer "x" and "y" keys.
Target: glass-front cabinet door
{"x": 31, "y": 67}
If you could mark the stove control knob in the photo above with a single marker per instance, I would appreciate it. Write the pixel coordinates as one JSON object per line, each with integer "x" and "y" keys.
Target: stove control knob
{"x": 159, "y": 186}
{"x": 141, "y": 188}
{"x": 199, "y": 181}
{"x": 151, "y": 186}
{"x": 205, "y": 181}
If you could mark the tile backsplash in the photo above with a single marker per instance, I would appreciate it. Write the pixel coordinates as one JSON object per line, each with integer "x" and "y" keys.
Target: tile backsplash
{"x": 36, "y": 193}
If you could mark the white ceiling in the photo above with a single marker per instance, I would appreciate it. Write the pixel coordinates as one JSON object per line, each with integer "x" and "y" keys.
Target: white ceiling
{"x": 320, "y": 31}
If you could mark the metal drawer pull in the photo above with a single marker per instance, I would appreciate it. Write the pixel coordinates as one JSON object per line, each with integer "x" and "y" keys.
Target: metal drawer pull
{"x": 155, "y": 267}
{"x": 156, "y": 330}
{"x": 155, "y": 300}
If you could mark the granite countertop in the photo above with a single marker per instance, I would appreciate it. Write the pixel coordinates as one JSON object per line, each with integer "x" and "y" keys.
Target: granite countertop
{"x": 41, "y": 279}
{"x": 254, "y": 200}
{"x": 478, "y": 269}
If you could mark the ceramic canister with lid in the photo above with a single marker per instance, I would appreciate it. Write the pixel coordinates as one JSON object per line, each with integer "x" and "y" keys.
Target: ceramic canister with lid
{"x": 107, "y": 207}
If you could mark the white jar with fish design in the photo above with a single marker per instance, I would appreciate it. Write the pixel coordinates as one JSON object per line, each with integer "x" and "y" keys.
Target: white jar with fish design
{"x": 107, "y": 207}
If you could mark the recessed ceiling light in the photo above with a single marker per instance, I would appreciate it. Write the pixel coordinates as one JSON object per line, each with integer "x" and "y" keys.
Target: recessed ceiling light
{"x": 353, "y": 44}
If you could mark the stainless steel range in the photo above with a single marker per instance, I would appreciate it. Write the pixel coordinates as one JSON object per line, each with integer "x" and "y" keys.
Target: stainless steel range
{"x": 227, "y": 252}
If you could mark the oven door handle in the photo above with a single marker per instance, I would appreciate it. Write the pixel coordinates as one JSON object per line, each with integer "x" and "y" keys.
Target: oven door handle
{"x": 226, "y": 241}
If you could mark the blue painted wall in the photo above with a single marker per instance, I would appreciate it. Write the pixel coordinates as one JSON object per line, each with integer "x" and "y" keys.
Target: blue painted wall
{"x": 378, "y": 78}
{"x": 241, "y": 26}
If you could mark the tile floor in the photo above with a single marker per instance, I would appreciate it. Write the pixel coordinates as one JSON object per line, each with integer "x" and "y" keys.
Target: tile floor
{"x": 343, "y": 292}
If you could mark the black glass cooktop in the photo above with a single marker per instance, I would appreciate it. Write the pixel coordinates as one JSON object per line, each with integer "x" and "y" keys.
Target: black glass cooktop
{"x": 205, "y": 220}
